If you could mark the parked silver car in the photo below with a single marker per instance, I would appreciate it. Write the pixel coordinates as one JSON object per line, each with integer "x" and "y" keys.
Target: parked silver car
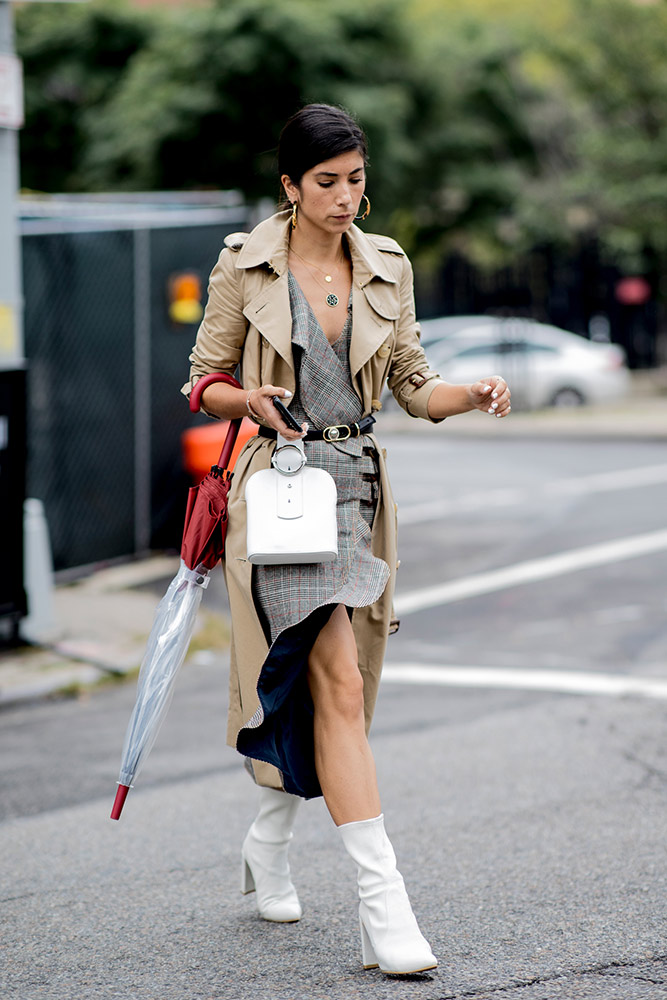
{"x": 544, "y": 365}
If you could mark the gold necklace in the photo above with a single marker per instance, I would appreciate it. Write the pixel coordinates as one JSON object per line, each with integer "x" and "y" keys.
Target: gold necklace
{"x": 331, "y": 299}
{"x": 310, "y": 263}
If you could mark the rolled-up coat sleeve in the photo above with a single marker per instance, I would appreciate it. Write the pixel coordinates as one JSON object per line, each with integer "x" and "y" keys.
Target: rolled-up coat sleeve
{"x": 223, "y": 330}
{"x": 410, "y": 379}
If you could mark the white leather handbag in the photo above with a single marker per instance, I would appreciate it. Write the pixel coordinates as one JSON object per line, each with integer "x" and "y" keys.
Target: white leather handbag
{"x": 291, "y": 510}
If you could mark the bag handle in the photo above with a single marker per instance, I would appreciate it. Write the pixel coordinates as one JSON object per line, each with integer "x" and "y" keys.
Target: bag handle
{"x": 234, "y": 425}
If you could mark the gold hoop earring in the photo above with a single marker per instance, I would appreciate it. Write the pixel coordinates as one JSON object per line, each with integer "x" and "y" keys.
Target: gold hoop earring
{"x": 294, "y": 212}
{"x": 368, "y": 208}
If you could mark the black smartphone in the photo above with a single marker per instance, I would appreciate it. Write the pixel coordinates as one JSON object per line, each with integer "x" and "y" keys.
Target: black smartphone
{"x": 291, "y": 421}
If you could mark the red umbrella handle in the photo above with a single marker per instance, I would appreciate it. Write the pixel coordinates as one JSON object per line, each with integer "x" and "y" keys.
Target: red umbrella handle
{"x": 234, "y": 426}
{"x": 204, "y": 382}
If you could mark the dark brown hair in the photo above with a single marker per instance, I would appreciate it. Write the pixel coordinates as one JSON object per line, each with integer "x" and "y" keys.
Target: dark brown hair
{"x": 316, "y": 133}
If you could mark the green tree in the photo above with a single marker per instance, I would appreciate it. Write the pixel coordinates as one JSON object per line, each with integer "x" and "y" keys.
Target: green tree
{"x": 196, "y": 98}
{"x": 614, "y": 168}
{"x": 203, "y": 102}
{"x": 73, "y": 57}
{"x": 477, "y": 149}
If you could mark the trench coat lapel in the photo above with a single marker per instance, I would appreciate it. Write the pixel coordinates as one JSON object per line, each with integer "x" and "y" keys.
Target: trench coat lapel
{"x": 269, "y": 310}
{"x": 375, "y": 300}
{"x": 369, "y": 329}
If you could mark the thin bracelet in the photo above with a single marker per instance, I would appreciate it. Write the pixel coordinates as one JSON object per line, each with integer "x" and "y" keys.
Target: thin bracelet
{"x": 253, "y": 415}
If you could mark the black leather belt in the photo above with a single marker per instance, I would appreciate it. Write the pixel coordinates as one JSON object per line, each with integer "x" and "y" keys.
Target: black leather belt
{"x": 337, "y": 432}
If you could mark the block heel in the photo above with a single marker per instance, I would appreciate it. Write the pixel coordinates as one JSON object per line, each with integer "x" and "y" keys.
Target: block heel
{"x": 368, "y": 957}
{"x": 247, "y": 881}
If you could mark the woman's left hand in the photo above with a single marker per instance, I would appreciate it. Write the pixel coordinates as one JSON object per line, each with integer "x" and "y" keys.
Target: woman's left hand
{"x": 490, "y": 395}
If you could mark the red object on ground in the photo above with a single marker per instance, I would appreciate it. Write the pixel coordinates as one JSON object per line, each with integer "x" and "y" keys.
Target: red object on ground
{"x": 119, "y": 801}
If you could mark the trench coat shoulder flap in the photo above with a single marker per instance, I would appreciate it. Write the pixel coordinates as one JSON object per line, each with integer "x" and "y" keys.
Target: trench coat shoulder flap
{"x": 260, "y": 259}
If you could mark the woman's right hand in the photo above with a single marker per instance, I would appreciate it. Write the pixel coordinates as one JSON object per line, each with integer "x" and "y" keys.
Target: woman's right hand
{"x": 260, "y": 402}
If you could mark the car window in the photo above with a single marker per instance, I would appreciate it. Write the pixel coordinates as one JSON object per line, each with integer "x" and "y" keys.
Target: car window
{"x": 473, "y": 352}
{"x": 526, "y": 347}
{"x": 505, "y": 347}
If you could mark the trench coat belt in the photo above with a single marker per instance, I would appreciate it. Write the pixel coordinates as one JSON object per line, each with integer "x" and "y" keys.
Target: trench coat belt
{"x": 337, "y": 432}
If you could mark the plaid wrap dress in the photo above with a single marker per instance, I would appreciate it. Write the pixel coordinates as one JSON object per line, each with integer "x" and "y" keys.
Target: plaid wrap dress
{"x": 294, "y": 601}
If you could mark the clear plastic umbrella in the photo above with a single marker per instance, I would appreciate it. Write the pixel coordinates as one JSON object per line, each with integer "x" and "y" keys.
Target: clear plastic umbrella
{"x": 201, "y": 550}
{"x": 168, "y": 643}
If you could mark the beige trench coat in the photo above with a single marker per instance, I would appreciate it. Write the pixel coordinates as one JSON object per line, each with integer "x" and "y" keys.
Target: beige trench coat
{"x": 248, "y": 323}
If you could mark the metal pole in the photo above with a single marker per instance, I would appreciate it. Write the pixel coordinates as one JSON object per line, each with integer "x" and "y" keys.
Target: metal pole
{"x": 142, "y": 390}
{"x": 11, "y": 300}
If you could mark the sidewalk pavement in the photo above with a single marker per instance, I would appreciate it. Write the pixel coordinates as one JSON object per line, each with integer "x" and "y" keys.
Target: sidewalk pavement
{"x": 105, "y": 618}
{"x": 103, "y": 622}
{"x": 642, "y": 415}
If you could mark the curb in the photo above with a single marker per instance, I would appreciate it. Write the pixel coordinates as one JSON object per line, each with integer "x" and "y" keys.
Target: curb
{"x": 103, "y": 628}
{"x": 37, "y": 672}
{"x": 105, "y": 620}
{"x": 588, "y": 424}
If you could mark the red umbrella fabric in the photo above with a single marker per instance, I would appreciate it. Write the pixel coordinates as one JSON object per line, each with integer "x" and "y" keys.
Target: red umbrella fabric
{"x": 202, "y": 547}
{"x": 206, "y": 513}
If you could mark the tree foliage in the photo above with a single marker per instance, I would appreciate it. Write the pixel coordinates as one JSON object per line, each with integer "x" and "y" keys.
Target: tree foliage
{"x": 203, "y": 103}
{"x": 493, "y": 126}
{"x": 196, "y": 98}
{"x": 73, "y": 59}
{"x": 613, "y": 170}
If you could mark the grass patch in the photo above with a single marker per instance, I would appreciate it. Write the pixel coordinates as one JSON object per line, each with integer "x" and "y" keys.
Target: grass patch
{"x": 72, "y": 691}
{"x": 83, "y": 689}
{"x": 113, "y": 680}
{"x": 213, "y": 633}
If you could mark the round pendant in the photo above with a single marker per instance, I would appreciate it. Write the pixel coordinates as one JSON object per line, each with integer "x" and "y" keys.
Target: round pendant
{"x": 332, "y": 299}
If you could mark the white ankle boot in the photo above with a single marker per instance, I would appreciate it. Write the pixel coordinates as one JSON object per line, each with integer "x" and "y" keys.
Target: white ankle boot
{"x": 264, "y": 857}
{"x": 390, "y": 936}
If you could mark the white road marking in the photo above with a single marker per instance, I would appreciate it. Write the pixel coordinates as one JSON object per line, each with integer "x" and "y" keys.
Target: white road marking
{"x": 600, "y": 482}
{"x": 558, "y": 681}
{"x": 432, "y": 510}
{"x": 530, "y": 571}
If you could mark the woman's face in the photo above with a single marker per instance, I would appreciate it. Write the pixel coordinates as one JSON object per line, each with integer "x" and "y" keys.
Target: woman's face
{"x": 330, "y": 192}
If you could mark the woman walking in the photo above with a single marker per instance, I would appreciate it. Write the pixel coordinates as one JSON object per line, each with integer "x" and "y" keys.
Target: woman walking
{"x": 321, "y": 314}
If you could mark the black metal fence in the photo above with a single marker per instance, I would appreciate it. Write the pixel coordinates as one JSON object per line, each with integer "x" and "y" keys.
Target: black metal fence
{"x": 105, "y": 366}
{"x": 574, "y": 289}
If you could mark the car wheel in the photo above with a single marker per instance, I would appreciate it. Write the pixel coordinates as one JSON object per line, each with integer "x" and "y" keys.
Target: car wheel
{"x": 567, "y": 396}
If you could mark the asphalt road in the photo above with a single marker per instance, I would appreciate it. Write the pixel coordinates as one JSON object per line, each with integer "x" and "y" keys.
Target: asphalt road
{"x": 527, "y": 801}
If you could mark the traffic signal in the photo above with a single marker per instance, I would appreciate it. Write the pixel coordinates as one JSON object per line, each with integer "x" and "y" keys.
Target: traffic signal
{"x": 185, "y": 293}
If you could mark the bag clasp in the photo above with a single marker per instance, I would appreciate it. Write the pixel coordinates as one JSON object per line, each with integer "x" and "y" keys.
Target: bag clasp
{"x": 289, "y": 457}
